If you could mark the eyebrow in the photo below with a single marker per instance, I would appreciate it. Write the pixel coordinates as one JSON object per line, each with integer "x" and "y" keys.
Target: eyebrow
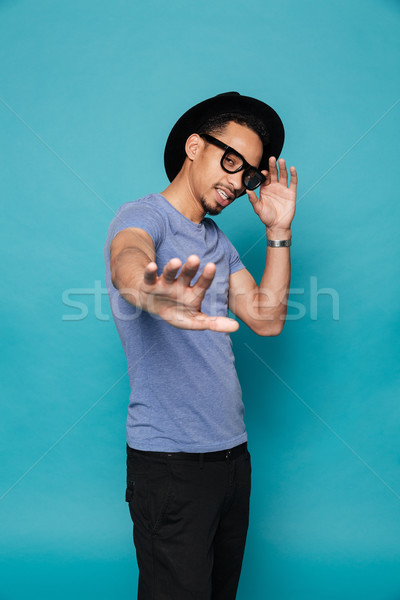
{"x": 246, "y": 161}
{"x": 227, "y": 147}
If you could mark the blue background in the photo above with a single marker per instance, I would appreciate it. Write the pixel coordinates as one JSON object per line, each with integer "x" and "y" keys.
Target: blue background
{"x": 88, "y": 93}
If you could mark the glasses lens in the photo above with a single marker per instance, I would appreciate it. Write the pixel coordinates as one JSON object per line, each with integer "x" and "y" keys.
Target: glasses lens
{"x": 231, "y": 162}
{"x": 252, "y": 179}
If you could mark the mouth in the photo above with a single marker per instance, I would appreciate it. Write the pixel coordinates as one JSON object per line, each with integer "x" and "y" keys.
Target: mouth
{"x": 224, "y": 197}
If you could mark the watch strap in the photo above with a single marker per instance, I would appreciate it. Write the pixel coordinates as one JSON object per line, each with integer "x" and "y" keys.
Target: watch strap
{"x": 279, "y": 243}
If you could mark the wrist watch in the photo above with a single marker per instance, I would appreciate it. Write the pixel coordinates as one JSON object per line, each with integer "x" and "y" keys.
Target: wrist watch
{"x": 279, "y": 243}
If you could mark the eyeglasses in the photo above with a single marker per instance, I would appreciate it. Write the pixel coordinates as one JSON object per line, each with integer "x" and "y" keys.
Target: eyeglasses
{"x": 233, "y": 162}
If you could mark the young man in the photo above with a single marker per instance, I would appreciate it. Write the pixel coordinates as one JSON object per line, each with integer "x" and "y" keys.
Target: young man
{"x": 171, "y": 275}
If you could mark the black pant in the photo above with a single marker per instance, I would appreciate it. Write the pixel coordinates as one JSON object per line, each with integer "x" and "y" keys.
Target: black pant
{"x": 190, "y": 520}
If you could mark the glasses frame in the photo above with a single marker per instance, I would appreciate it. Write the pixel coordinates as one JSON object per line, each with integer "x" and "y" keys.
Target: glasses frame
{"x": 245, "y": 166}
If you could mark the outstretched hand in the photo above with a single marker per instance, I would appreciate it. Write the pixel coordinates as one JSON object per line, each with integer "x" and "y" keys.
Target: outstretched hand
{"x": 277, "y": 203}
{"x": 176, "y": 301}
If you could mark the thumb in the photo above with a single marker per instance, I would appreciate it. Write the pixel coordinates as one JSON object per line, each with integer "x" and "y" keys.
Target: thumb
{"x": 252, "y": 197}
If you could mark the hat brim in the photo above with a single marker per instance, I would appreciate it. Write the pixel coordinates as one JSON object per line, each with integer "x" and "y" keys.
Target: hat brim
{"x": 230, "y": 102}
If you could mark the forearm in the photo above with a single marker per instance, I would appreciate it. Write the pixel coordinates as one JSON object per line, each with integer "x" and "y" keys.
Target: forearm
{"x": 270, "y": 304}
{"x": 127, "y": 274}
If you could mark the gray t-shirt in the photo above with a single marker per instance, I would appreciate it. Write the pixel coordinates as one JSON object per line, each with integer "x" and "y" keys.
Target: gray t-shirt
{"x": 185, "y": 393}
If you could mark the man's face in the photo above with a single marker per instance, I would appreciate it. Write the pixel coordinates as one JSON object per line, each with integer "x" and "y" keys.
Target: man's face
{"x": 212, "y": 186}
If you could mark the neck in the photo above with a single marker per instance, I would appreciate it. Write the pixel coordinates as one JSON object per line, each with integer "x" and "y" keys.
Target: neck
{"x": 180, "y": 195}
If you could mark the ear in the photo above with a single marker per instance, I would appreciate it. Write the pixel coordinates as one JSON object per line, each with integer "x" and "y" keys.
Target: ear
{"x": 192, "y": 146}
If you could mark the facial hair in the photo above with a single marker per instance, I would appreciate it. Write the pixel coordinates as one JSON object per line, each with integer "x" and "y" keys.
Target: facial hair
{"x": 210, "y": 210}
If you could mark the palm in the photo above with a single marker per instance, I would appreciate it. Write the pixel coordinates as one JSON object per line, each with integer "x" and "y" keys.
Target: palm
{"x": 176, "y": 301}
{"x": 173, "y": 303}
{"x": 277, "y": 203}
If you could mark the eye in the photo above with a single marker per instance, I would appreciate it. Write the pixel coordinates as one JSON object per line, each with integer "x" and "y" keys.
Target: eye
{"x": 232, "y": 162}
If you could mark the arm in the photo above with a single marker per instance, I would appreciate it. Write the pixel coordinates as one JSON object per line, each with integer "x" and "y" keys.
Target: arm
{"x": 131, "y": 250}
{"x": 263, "y": 308}
{"x": 134, "y": 274}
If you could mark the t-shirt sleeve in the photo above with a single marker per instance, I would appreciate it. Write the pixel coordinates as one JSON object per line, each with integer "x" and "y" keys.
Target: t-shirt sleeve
{"x": 235, "y": 264}
{"x": 139, "y": 214}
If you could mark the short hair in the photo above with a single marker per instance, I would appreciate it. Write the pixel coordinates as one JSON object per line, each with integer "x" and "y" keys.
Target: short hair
{"x": 218, "y": 123}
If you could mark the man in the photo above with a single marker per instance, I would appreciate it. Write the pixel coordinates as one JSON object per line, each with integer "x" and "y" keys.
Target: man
{"x": 171, "y": 275}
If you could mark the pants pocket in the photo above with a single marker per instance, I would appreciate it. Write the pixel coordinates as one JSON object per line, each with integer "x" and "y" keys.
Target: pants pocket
{"x": 136, "y": 487}
{"x": 159, "y": 490}
{"x": 148, "y": 490}
{"x": 136, "y": 496}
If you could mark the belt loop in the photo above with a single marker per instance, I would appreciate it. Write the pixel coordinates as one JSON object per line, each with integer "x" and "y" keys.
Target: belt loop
{"x": 201, "y": 460}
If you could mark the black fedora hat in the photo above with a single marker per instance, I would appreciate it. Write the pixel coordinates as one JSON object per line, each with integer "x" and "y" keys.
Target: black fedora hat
{"x": 229, "y": 102}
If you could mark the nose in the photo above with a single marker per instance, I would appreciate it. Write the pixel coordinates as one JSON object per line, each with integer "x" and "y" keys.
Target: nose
{"x": 236, "y": 181}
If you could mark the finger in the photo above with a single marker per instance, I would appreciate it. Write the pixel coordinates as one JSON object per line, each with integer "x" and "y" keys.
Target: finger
{"x": 220, "y": 324}
{"x": 189, "y": 270}
{"x": 293, "y": 178}
{"x": 171, "y": 269}
{"x": 283, "y": 171}
{"x": 223, "y": 324}
{"x": 205, "y": 279}
{"x": 273, "y": 171}
{"x": 150, "y": 273}
{"x": 267, "y": 175}
{"x": 252, "y": 197}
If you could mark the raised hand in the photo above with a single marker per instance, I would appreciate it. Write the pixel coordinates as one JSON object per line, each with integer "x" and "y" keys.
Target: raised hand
{"x": 277, "y": 203}
{"x": 176, "y": 301}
